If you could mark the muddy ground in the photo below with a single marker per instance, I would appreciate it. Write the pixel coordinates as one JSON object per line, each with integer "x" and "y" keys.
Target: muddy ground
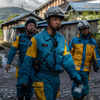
{"x": 8, "y": 83}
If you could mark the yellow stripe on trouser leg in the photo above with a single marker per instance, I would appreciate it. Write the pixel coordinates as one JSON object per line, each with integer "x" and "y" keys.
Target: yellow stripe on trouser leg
{"x": 89, "y": 76}
{"x": 57, "y": 94}
{"x": 39, "y": 90}
{"x": 16, "y": 73}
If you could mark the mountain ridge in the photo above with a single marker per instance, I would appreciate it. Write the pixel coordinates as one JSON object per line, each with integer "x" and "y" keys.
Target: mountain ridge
{"x": 5, "y": 12}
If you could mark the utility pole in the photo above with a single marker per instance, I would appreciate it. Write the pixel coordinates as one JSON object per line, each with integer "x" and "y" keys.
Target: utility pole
{"x": 22, "y": 5}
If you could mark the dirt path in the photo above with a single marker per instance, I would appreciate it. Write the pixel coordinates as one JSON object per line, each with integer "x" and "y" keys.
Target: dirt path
{"x": 8, "y": 83}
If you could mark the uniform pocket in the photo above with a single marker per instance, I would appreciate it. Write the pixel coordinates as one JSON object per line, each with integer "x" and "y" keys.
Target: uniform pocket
{"x": 39, "y": 89}
{"x": 16, "y": 73}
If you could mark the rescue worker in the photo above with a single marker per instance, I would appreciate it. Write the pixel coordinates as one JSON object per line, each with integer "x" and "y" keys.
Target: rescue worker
{"x": 84, "y": 49}
{"x": 47, "y": 52}
{"x": 21, "y": 43}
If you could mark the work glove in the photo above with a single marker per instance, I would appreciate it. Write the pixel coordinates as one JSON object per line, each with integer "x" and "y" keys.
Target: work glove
{"x": 24, "y": 90}
{"x": 77, "y": 81}
{"x": 96, "y": 70}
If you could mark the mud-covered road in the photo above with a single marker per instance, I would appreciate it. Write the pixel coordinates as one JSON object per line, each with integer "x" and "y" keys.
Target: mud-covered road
{"x": 8, "y": 83}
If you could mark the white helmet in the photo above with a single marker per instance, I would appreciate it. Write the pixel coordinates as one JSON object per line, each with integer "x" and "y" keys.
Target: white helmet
{"x": 30, "y": 20}
{"x": 54, "y": 11}
{"x": 83, "y": 24}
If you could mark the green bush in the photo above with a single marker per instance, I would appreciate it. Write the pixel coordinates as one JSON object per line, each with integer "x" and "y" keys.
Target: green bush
{"x": 0, "y": 34}
{"x": 97, "y": 38}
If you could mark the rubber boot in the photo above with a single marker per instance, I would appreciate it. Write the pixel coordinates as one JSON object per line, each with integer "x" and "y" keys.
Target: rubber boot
{"x": 76, "y": 98}
{"x": 21, "y": 98}
{"x": 27, "y": 98}
{"x": 82, "y": 98}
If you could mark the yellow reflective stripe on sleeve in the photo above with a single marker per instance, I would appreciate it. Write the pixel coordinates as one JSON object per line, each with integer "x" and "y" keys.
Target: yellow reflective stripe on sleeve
{"x": 77, "y": 68}
{"x": 16, "y": 42}
{"x": 65, "y": 51}
{"x": 39, "y": 90}
{"x": 32, "y": 48}
{"x": 86, "y": 68}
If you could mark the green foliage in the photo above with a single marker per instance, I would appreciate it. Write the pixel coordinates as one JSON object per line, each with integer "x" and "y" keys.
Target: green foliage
{"x": 86, "y": 15}
{"x": 97, "y": 38}
{"x": 71, "y": 16}
{"x": 99, "y": 26}
{"x": 1, "y": 21}
{"x": 12, "y": 16}
{"x": 0, "y": 34}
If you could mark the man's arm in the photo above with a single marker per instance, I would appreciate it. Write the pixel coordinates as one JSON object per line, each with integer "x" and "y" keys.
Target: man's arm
{"x": 96, "y": 55}
{"x": 68, "y": 64}
{"x": 12, "y": 52}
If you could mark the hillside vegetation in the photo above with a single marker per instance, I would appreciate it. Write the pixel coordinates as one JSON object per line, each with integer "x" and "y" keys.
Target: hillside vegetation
{"x": 7, "y": 11}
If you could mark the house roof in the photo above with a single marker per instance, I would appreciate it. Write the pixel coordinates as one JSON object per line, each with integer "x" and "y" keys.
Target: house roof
{"x": 81, "y": 6}
{"x": 21, "y": 16}
{"x": 39, "y": 24}
{"x": 42, "y": 5}
{"x": 44, "y": 23}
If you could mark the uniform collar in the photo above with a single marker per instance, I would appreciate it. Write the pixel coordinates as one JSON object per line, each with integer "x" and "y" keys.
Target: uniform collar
{"x": 46, "y": 35}
{"x": 82, "y": 36}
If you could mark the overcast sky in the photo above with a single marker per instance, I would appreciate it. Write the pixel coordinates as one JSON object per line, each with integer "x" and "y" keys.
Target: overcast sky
{"x": 27, "y": 4}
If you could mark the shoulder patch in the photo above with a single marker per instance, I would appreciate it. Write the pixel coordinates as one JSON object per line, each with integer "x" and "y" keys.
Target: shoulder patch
{"x": 30, "y": 43}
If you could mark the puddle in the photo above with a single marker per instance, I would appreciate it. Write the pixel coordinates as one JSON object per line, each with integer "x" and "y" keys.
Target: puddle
{"x": 3, "y": 60}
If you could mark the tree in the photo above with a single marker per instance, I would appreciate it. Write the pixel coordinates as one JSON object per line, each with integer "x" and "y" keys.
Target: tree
{"x": 86, "y": 15}
{"x": 12, "y": 16}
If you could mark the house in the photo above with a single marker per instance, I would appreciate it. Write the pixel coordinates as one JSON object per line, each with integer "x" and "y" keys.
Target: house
{"x": 61, "y": 3}
{"x": 9, "y": 32}
{"x": 70, "y": 30}
{"x": 43, "y": 8}
{"x": 82, "y": 6}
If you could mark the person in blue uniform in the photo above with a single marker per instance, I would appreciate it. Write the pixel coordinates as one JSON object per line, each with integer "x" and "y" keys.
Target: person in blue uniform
{"x": 21, "y": 43}
{"x": 83, "y": 48}
{"x": 46, "y": 55}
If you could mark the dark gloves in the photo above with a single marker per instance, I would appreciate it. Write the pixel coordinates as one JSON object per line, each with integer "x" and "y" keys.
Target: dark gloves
{"x": 96, "y": 69}
{"x": 77, "y": 81}
{"x": 24, "y": 90}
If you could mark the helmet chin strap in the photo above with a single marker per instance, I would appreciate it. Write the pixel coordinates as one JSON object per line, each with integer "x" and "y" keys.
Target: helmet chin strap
{"x": 53, "y": 29}
{"x": 85, "y": 36}
{"x": 29, "y": 32}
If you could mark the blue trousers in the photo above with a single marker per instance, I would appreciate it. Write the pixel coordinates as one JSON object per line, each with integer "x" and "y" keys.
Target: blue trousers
{"x": 46, "y": 86}
{"x": 30, "y": 87}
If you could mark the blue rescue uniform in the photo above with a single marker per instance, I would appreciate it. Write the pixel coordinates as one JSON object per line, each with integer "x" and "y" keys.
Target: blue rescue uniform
{"x": 47, "y": 79}
{"x": 20, "y": 43}
{"x": 83, "y": 50}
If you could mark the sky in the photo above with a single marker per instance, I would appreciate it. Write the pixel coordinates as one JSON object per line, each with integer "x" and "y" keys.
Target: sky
{"x": 30, "y": 5}
{"x": 27, "y": 4}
